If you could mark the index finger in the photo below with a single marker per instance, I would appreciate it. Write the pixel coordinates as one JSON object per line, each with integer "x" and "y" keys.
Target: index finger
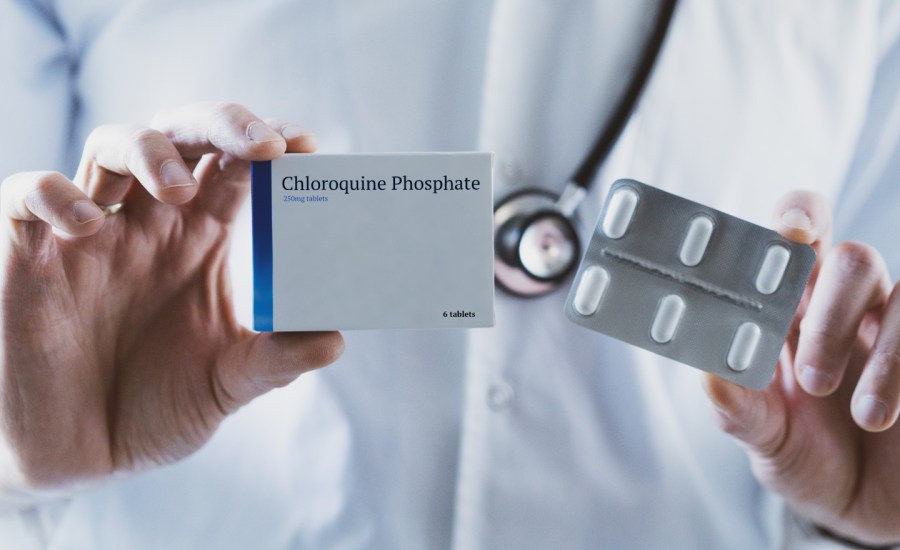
{"x": 210, "y": 127}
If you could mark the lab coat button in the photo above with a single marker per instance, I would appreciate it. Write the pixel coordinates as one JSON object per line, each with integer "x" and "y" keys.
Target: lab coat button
{"x": 499, "y": 396}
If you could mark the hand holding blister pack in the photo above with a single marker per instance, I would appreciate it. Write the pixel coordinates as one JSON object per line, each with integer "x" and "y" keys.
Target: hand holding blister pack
{"x": 690, "y": 283}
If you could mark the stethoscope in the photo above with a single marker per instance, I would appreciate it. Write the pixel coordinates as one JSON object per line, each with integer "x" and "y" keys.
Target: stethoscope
{"x": 536, "y": 246}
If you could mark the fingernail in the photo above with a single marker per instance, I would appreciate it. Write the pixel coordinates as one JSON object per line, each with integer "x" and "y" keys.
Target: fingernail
{"x": 870, "y": 411}
{"x": 173, "y": 174}
{"x": 813, "y": 380}
{"x": 259, "y": 132}
{"x": 85, "y": 211}
{"x": 796, "y": 218}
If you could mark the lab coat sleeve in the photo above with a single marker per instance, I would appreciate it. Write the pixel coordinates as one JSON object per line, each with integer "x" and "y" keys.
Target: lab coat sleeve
{"x": 868, "y": 208}
{"x": 36, "y": 107}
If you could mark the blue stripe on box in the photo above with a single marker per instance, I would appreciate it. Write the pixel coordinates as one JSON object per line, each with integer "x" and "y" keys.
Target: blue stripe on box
{"x": 261, "y": 203}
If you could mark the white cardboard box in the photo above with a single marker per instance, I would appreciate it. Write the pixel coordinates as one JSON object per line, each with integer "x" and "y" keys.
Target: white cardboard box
{"x": 373, "y": 241}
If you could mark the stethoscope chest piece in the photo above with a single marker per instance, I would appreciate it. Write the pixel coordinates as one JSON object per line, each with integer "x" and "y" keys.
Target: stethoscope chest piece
{"x": 536, "y": 245}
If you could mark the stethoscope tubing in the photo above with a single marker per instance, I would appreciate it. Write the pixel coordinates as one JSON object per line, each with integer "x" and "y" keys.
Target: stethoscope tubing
{"x": 531, "y": 206}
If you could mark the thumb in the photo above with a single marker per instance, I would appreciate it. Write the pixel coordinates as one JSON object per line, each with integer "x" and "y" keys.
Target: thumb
{"x": 756, "y": 418}
{"x": 804, "y": 217}
{"x": 264, "y": 361}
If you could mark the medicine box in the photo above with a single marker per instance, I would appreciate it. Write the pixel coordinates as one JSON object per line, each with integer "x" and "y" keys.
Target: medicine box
{"x": 373, "y": 241}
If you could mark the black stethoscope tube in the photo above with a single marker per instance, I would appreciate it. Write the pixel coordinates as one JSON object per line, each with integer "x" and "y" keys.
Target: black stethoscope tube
{"x": 608, "y": 136}
{"x": 536, "y": 244}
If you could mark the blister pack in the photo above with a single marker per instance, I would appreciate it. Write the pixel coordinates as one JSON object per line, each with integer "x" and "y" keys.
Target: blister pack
{"x": 690, "y": 283}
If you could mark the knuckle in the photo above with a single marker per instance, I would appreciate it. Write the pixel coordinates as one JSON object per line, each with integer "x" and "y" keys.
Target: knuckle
{"x": 728, "y": 425}
{"x": 886, "y": 358}
{"x": 820, "y": 334}
{"x": 46, "y": 182}
{"x": 229, "y": 110}
{"x": 96, "y": 135}
{"x": 778, "y": 456}
{"x": 156, "y": 121}
{"x": 771, "y": 445}
{"x": 144, "y": 138}
{"x": 99, "y": 136}
{"x": 224, "y": 400}
{"x": 858, "y": 260}
{"x": 142, "y": 143}
{"x": 91, "y": 143}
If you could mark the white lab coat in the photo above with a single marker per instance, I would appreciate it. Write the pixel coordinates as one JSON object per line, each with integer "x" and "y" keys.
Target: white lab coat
{"x": 533, "y": 434}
